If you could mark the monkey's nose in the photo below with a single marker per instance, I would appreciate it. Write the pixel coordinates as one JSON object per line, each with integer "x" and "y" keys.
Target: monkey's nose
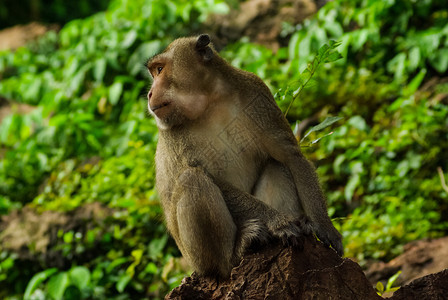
{"x": 149, "y": 95}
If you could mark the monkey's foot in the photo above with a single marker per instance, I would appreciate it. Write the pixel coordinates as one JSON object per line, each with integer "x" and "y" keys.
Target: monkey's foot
{"x": 291, "y": 232}
{"x": 329, "y": 236}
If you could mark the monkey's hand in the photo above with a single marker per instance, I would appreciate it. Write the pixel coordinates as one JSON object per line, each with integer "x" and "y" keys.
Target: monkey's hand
{"x": 328, "y": 235}
{"x": 289, "y": 230}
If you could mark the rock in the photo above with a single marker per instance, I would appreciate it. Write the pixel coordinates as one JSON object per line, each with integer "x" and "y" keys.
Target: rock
{"x": 17, "y": 36}
{"x": 8, "y": 108}
{"x": 261, "y": 20}
{"x": 33, "y": 236}
{"x": 430, "y": 287}
{"x": 420, "y": 258}
{"x": 25, "y": 227}
{"x": 279, "y": 272}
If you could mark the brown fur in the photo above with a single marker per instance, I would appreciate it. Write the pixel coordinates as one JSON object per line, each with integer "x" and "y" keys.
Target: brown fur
{"x": 229, "y": 170}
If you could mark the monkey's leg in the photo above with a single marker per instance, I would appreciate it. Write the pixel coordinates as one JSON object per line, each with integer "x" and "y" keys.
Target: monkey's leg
{"x": 276, "y": 188}
{"x": 305, "y": 178}
{"x": 279, "y": 142}
{"x": 256, "y": 220}
{"x": 206, "y": 231}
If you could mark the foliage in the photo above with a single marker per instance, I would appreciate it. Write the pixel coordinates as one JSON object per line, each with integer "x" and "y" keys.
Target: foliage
{"x": 381, "y": 290}
{"x": 13, "y": 12}
{"x": 325, "y": 54}
{"x": 89, "y": 141}
{"x": 379, "y": 168}
{"x": 85, "y": 81}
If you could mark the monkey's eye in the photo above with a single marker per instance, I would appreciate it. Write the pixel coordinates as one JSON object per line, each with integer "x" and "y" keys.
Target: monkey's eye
{"x": 159, "y": 69}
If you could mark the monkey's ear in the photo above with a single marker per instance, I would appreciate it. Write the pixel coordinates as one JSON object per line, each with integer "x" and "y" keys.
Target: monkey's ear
{"x": 203, "y": 48}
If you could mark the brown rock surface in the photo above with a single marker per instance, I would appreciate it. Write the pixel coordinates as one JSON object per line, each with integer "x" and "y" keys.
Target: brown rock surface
{"x": 420, "y": 258}
{"x": 276, "y": 272}
{"x": 430, "y": 287}
{"x": 17, "y": 36}
{"x": 262, "y": 20}
{"x": 33, "y": 235}
{"x": 9, "y": 107}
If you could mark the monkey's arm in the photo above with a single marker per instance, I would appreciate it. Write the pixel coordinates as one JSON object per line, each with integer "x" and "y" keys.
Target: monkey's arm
{"x": 279, "y": 142}
{"x": 310, "y": 193}
{"x": 246, "y": 209}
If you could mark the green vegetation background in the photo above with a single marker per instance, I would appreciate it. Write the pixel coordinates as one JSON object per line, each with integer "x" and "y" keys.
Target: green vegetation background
{"x": 90, "y": 141}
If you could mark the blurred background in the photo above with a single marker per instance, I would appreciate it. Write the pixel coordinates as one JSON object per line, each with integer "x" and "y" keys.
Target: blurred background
{"x": 80, "y": 218}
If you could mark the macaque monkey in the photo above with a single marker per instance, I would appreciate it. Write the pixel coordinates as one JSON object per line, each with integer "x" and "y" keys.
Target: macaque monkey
{"x": 229, "y": 171}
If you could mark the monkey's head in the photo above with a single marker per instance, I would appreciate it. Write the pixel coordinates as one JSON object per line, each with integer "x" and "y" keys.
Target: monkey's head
{"x": 183, "y": 82}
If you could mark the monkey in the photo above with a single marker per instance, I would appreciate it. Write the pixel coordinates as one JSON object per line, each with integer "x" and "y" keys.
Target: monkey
{"x": 229, "y": 171}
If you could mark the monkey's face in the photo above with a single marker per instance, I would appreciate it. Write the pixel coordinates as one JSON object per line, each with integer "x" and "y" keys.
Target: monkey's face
{"x": 182, "y": 83}
{"x": 161, "y": 99}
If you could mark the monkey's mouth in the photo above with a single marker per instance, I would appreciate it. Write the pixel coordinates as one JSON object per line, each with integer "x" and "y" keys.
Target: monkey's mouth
{"x": 154, "y": 108}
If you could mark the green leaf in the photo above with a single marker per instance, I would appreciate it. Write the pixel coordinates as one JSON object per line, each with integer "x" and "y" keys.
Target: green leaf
{"x": 392, "y": 280}
{"x": 221, "y": 8}
{"x": 123, "y": 282}
{"x": 5, "y": 129}
{"x": 77, "y": 80}
{"x": 156, "y": 246}
{"x": 350, "y": 188}
{"x": 72, "y": 293}
{"x": 333, "y": 57}
{"x": 129, "y": 39}
{"x": 115, "y": 263}
{"x": 32, "y": 93}
{"x": 68, "y": 237}
{"x": 439, "y": 60}
{"x": 318, "y": 139}
{"x": 397, "y": 66}
{"x": 57, "y": 285}
{"x": 334, "y": 44}
{"x": 36, "y": 280}
{"x": 80, "y": 277}
{"x": 71, "y": 66}
{"x": 93, "y": 141}
{"x": 185, "y": 12}
{"x": 360, "y": 37}
{"x": 326, "y": 53}
{"x": 90, "y": 43}
{"x": 99, "y": 69}
{"x": 137, "y": 255}
{"x": 380, "y": 287}
{"x": 323, "y": 50}
{"x": 359, "y": 123}
{"x": 151, "y": 268}
{"x": 115, "y": 92}
{"x": 394, "y": 289}
{"x": 414, "y": 58}
{"x": 413, "y": 86}
{"x": 327, "y": 122}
